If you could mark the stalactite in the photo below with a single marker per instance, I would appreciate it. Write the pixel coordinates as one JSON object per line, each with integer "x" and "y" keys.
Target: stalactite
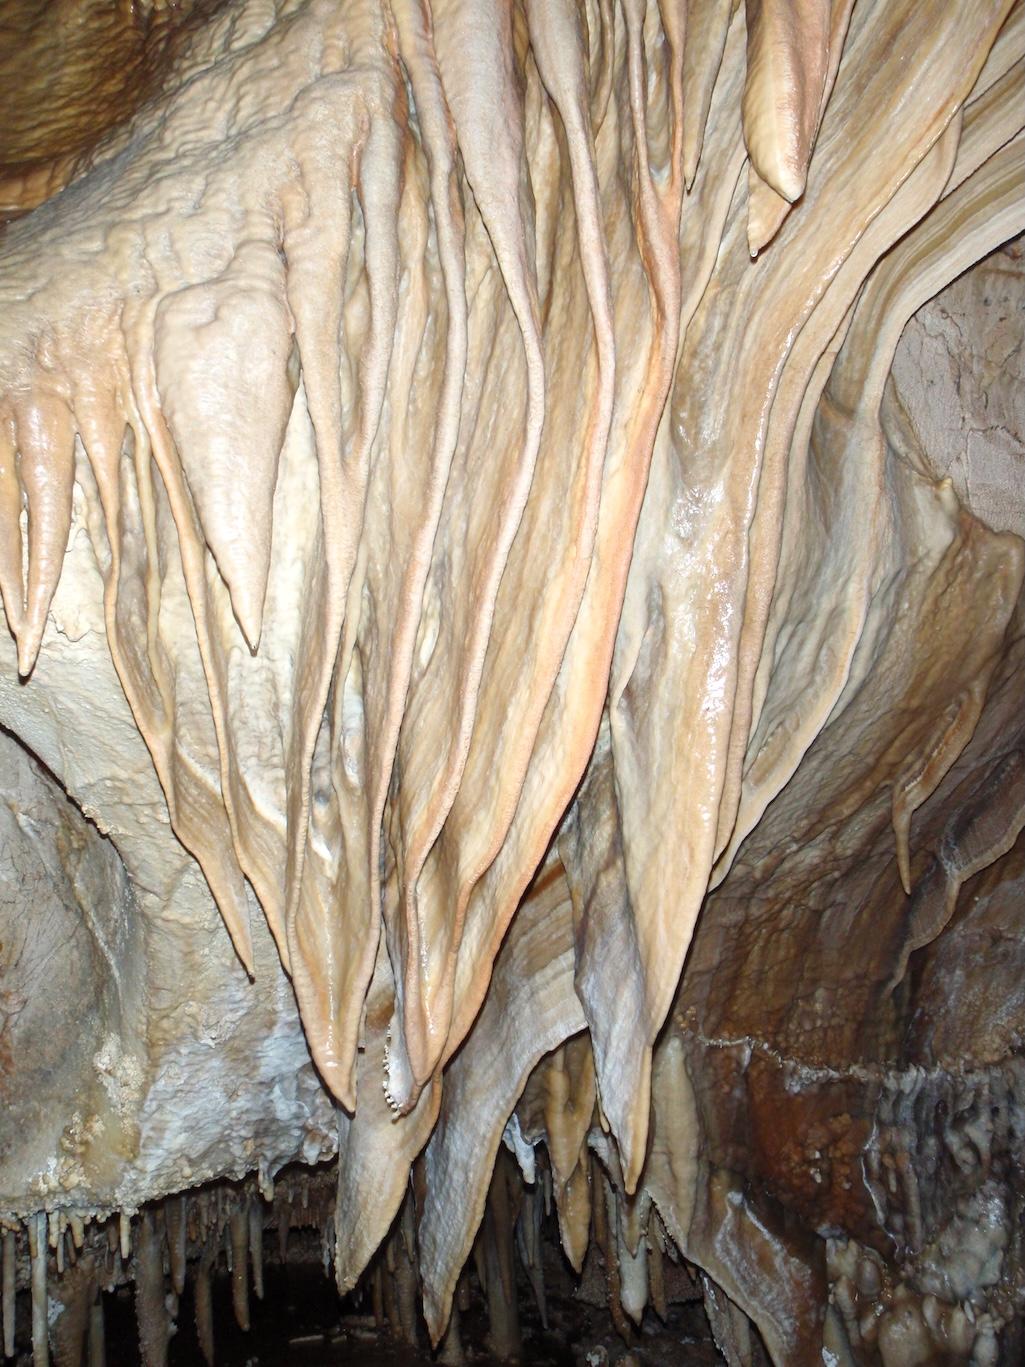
{"x": 175, "y": 1218}
{"x": 9, "y": 1254}
{"x": 202, "y": 1291}
{"x": 37, "y": 1237}
{"x": 150, "y": 1310}
{"x": 239, "y": 1242}
{"x": 557, "y": 716}
{"x": 55, "y": 1238}
{"x": 256, "y": 1243}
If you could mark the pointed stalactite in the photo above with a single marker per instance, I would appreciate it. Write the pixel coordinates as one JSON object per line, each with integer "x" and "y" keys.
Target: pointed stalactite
{"x": 633, "y": 1275}
{"x": 46, "y": 437}
{"x": 175, "y": 1212}
{"x": 9, "y": 1270}
{"x": 12, "y": 588}
{"x": 705, "y": 29}
{"x": 150, "y": 1310}
{"x": 203, "y": 335}
{"x": 40, "y": 1306}
{"x": 488, "y": 117}
{"x": 787, "y": 55}
{"x": 239, "y": 1231}
{"x": 256, "y": 1244}
{"x": 784, "y": 37}
{"x": 202, "y": 1291}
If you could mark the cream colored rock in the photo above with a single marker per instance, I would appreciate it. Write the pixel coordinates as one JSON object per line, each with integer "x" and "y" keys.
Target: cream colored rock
{"x": 456, "y": 523}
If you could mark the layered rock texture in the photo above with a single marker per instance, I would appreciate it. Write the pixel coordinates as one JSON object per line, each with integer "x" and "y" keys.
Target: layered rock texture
{"x": 509, "y": 551}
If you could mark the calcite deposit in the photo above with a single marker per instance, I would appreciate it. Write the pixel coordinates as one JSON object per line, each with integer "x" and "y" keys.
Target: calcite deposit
{"x": 512, "y": 663}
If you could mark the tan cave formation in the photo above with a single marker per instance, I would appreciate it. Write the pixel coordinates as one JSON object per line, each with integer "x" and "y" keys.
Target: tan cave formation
{"x": 512, "y": 663}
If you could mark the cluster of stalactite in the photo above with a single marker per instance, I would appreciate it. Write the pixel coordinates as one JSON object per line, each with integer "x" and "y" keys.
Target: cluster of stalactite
{"x": 65, "y": 1263}
{"x": 471, "y": 430}
{"x": 57, "y": 1271}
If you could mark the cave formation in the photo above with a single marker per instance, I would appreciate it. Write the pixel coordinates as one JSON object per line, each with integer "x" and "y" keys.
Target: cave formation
{"x": 511, "y": 682}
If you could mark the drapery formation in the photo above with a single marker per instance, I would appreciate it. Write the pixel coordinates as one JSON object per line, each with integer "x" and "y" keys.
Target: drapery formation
{"x": 511, "y": 550}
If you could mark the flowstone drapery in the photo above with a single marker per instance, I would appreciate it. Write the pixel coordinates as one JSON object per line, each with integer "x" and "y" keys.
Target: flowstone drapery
{"x": 497, "y": 646}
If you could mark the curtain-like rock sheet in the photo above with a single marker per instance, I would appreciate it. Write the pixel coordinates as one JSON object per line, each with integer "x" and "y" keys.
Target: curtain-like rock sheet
{"x": 513, "y": 559}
